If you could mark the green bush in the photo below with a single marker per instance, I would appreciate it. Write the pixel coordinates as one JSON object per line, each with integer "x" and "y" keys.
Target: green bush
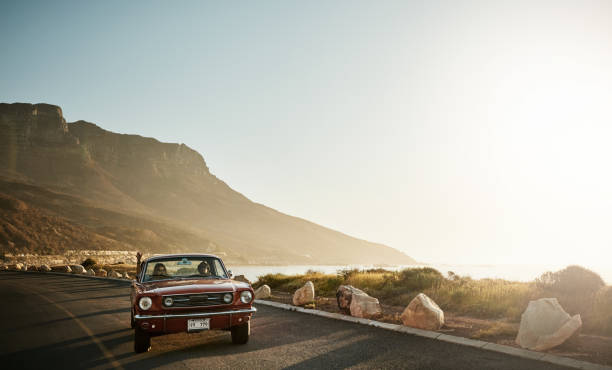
{"x": 572, "y": 280}
{"x": 421, "y": 278}
{"x": 325, "y": 284}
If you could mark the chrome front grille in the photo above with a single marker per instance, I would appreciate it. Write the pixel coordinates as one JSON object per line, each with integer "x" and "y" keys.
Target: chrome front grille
{"x": 198, "y": 300}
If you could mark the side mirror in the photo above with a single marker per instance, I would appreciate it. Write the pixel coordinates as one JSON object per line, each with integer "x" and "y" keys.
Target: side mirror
{"x": 229, "y": 272}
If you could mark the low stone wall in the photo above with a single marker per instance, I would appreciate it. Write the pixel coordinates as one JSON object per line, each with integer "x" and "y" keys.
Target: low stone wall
{"x": 72, "y": 257}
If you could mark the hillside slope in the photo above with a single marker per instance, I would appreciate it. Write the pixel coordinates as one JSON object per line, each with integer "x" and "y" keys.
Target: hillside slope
{"x": 137, "y": 192}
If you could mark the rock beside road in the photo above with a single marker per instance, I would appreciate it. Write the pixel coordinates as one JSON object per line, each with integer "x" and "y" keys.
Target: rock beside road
{"x": 32, "y": 268}
{"x": 114, "y": 274}
{"x": 362, "y": 305}
{"x": 344, "y": 296}
{"x": 304, "y": 295}
{"x": 91, "y": 272}
{"x": 545, "y": 325}
{"x": 44, "y": 268}
{"x": 101, "y": 273}
{"x": 355, "y": 302}
{"x": 78, "y": 269}
{"x": 61, "y": 269}
{"x": 423, "y": 313}
{"x": 242, "y": 278}
{"x": 125, "y": 275}
{"x": 263, "y": 292}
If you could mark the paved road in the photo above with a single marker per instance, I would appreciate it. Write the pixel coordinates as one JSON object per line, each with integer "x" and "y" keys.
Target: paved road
{"x": 48, "y": 321}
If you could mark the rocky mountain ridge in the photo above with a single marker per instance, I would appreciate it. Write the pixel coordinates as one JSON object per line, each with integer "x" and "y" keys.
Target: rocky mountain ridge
{"x": 135, "y": 192}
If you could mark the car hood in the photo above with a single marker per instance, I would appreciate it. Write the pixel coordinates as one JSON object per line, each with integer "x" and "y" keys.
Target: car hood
{"x": 193, "y": 286}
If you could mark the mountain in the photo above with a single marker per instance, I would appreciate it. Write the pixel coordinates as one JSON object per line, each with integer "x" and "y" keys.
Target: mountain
{"x": 77, "y": 186}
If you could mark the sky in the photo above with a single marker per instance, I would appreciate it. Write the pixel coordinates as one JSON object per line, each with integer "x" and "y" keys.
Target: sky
{"x": 455, "y": 131}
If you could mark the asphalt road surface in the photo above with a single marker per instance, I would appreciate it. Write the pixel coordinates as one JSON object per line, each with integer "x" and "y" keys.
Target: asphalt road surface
{"x": 51, "y": 321}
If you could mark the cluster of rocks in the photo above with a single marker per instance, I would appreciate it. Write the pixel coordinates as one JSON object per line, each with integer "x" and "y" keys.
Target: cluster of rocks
{"x": 544, "y": 324}
{"x": 70, "y": 269}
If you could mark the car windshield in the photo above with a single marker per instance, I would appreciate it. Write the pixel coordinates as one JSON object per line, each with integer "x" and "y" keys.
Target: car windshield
{"x": 184, "y": 268}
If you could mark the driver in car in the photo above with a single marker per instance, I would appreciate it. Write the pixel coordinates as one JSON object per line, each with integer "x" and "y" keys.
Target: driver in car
{"x": 160, "y": 269}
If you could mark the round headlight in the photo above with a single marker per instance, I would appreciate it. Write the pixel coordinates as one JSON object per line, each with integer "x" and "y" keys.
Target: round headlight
{"x": 145, "y": 303}
{"x": 168, "y": 301}
{"x": 246, "y": 296}
{"x": 228, "y": 298}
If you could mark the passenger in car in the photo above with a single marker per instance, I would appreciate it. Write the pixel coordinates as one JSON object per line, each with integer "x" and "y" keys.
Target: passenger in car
{"x": 204, "y": 268}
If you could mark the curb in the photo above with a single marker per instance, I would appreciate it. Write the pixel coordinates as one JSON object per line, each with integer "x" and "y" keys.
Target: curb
{"x": 125, "y": 281}
{"x": 494, "y": 347}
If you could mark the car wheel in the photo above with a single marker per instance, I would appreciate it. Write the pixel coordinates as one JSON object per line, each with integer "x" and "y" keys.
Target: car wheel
{"x": 132, "y": 322}
{"x": 240, "y": 333}
{"x": 142, "y": 341}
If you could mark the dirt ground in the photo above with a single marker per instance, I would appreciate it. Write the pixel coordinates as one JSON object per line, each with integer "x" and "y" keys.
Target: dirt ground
{"x": 584, "y": 347}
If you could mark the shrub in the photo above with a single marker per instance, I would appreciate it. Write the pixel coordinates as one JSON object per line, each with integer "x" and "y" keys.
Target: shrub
{"x": 347, "y": 273}
{"x": 89, "y": 263}
{"x": 600, "y": 321}
{"x": 421, "y": 278}
{"x": 325, "y": 284}
{"x": 572, "y": 280}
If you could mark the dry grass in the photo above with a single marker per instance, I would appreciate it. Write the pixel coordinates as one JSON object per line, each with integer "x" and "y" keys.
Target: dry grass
{"x": 498, "y": 329}
{"x": 485, "y": 298}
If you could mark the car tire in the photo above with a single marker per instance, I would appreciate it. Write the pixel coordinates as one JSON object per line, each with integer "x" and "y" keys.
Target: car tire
{"x": 132, "y": 322}
{"x": 142, "y": 341}
{"x": 241, "y": 333}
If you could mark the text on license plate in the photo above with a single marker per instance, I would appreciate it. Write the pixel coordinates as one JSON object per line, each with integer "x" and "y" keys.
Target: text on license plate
{"x": 198, "y": 324}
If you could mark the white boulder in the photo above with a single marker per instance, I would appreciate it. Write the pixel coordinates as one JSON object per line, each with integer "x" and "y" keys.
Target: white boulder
{"x": 344, "y": 296}
{"x": 114, "y": 274}
{"x": 242, "y": 278}
{"x": 78, "y": 269}
{"x": 362, "y": 305}
{"x": 125, "y": 275}
{"x": 44, "y": 268}
{"x": 304, "y": 295}
{"x": 545, "y": 325}
{"x": 263, "y": 292}
{"x": 423, "y": 313}
{"x": 61, "y": 269}
{"x": 91, "y": 272}
{"x": 101, "y": 272}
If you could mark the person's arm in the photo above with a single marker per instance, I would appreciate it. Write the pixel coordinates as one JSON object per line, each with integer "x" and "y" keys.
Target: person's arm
{"x": 138, "y": 257}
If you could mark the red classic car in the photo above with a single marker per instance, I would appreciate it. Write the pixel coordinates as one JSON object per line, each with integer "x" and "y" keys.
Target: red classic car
{"x": 188, "y": 293}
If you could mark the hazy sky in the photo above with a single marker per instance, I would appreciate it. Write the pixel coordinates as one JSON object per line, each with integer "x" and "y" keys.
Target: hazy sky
{"x": 459, "y": 131}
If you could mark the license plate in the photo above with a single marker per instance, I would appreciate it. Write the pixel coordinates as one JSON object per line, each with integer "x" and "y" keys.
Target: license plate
{"x": 198, "y": 324}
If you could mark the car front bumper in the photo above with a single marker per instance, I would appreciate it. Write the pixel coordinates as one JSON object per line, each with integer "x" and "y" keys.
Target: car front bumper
{"x": 177, "y": 322}
{"x": 192, "y": 315}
